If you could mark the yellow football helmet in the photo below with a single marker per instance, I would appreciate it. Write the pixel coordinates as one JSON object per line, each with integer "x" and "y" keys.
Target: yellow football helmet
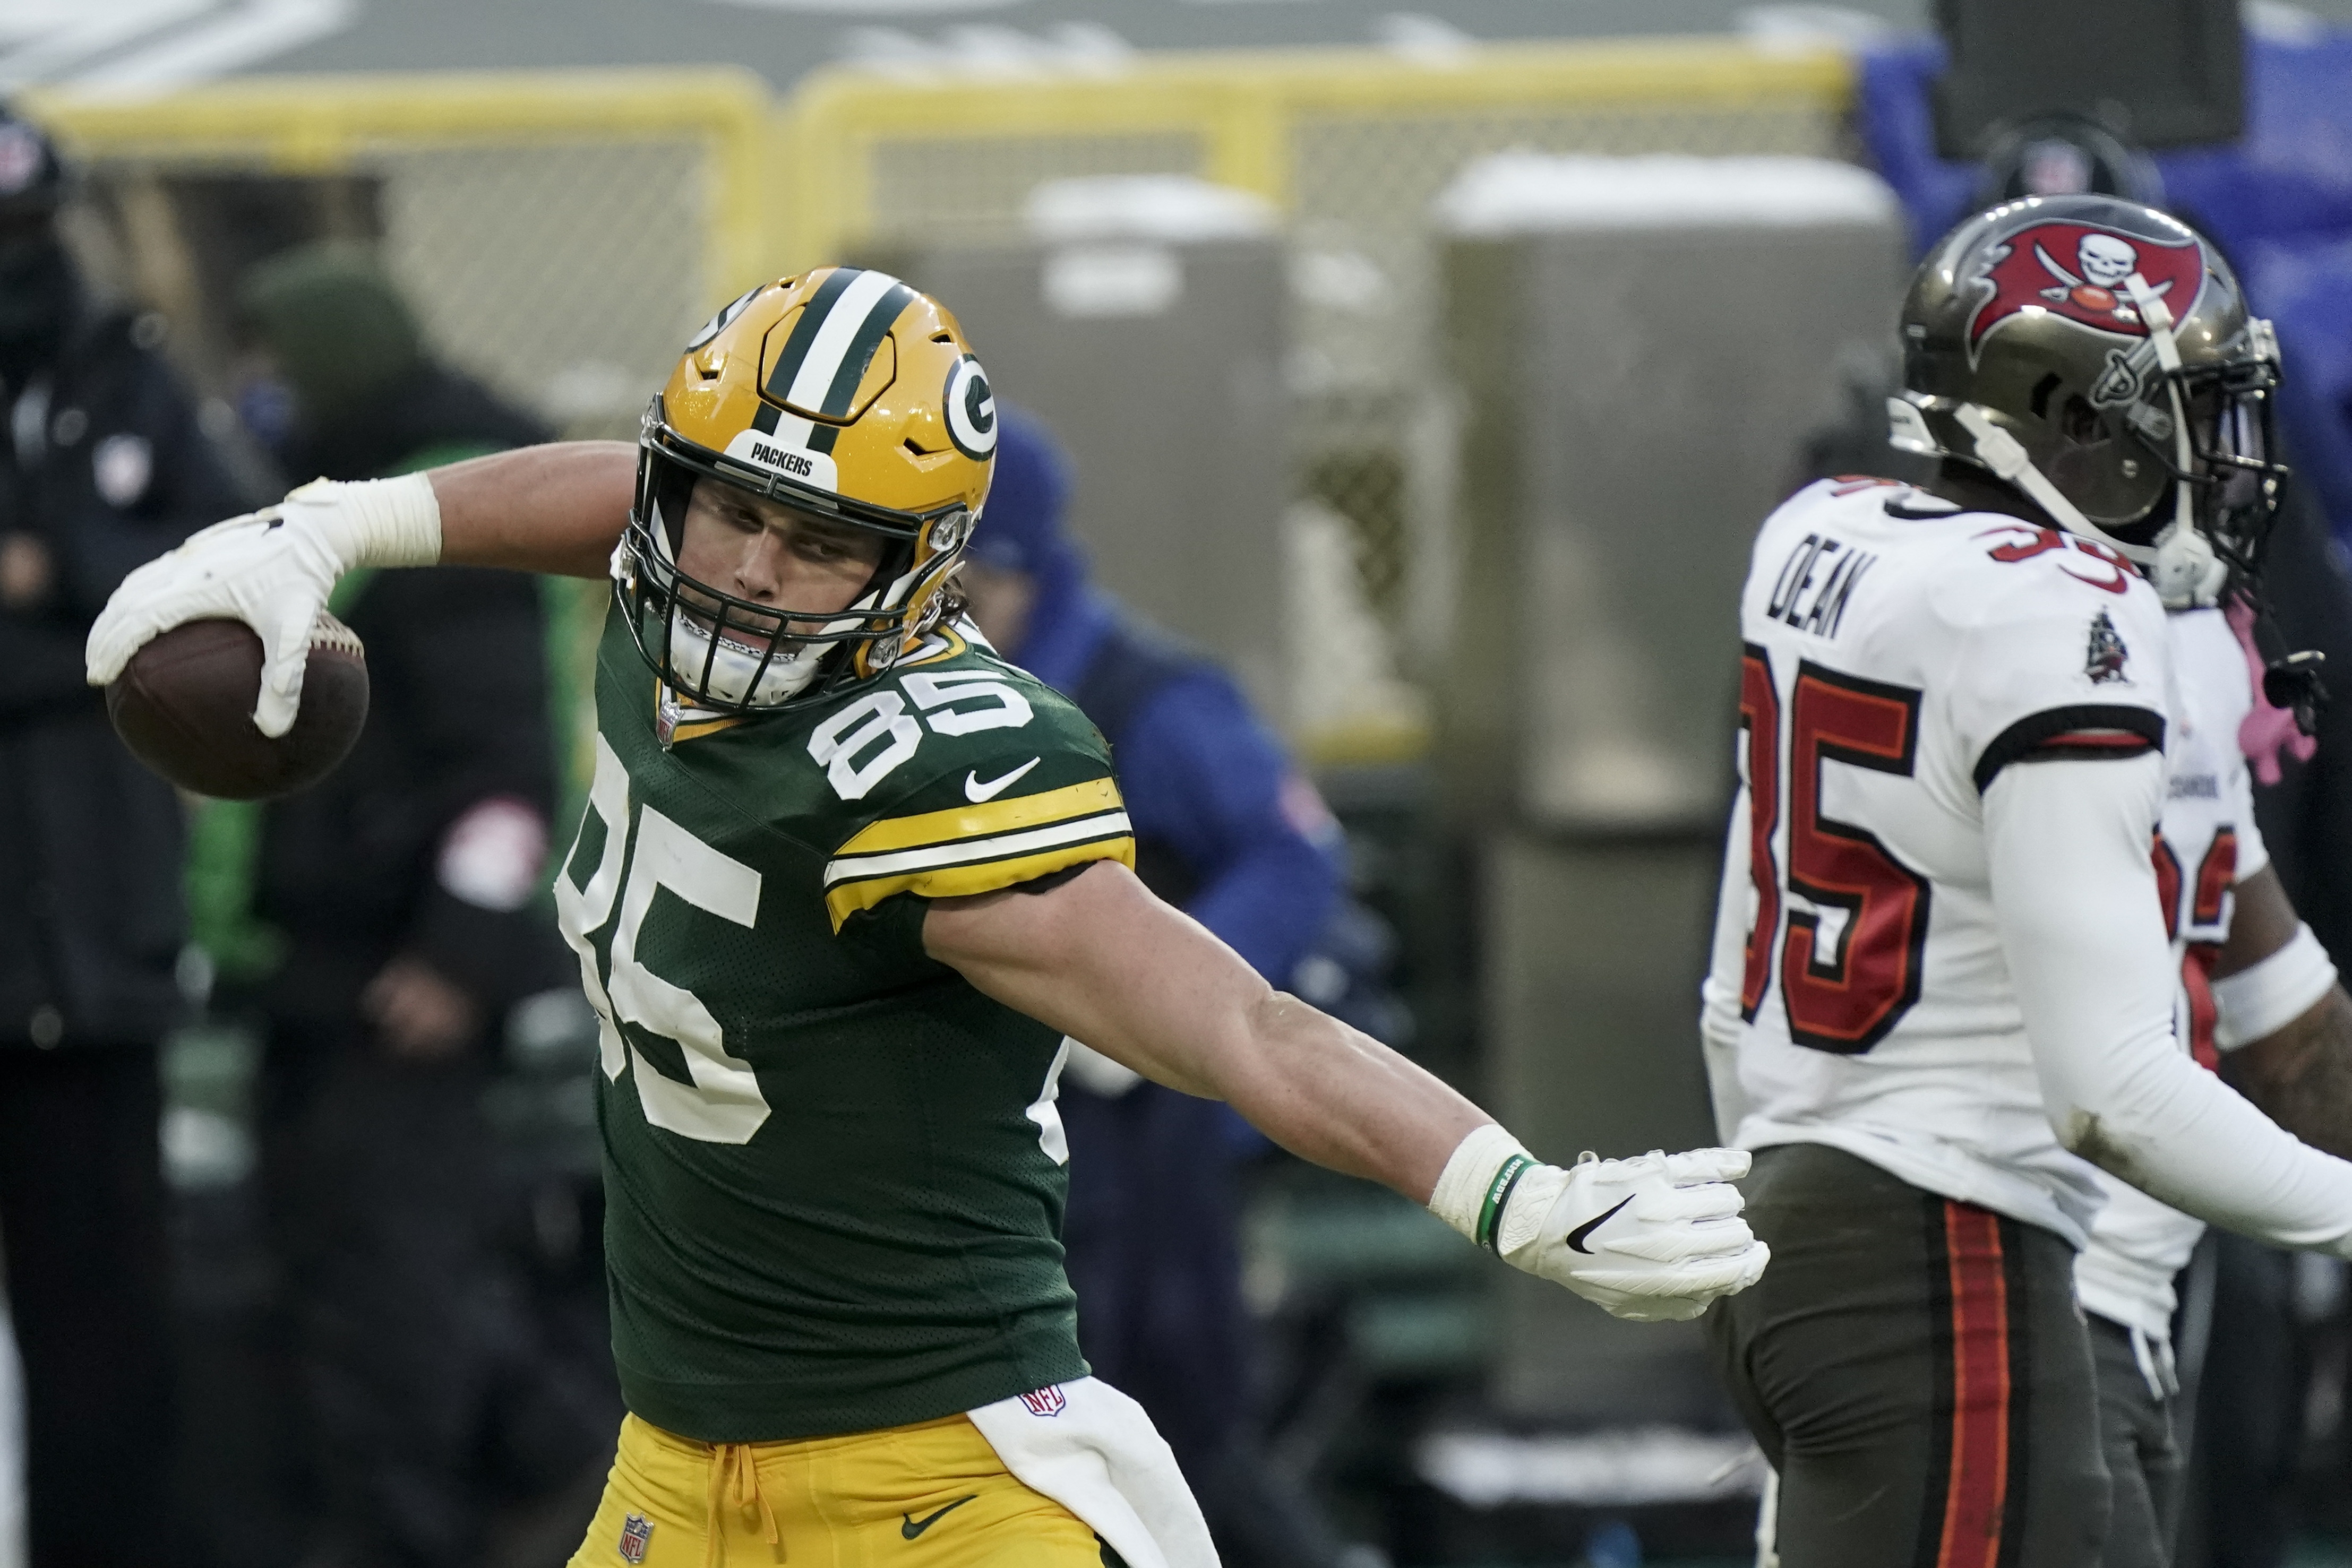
{"x": 844, "y": 394}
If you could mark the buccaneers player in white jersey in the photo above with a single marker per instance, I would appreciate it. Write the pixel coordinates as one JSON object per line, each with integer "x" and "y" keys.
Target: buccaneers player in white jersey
{"x": 1943, "y": 987}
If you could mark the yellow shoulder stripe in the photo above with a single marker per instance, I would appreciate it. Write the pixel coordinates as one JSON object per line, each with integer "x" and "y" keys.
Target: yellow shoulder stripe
{"x": 965, "y": 881}
{"x": 984, "y": 818}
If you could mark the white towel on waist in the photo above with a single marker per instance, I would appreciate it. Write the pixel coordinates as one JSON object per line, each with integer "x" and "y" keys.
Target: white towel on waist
{"x": 1093, "y": 1450}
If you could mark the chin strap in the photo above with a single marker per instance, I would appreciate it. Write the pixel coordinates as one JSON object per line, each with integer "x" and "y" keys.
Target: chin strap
{"x": 2186, "y": 570}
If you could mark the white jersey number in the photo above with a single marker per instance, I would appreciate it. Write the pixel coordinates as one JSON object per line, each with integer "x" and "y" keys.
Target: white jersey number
{"x": 865, "y": 742}
{"x": 723, "y": 1104}
{"x": 1847, "y": 997}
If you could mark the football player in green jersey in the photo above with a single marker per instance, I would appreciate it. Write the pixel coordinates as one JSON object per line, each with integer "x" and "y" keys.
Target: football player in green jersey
{"x": 846, "y": 886}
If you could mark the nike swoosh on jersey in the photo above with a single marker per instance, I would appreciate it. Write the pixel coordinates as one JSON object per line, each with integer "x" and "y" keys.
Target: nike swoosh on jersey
{"x": 975, "y": 791}
{"x": 1576, "y": 1237}
{"x": 910, "y": 1527}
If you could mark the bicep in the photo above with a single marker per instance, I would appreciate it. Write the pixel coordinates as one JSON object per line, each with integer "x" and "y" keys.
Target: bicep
{"x": 1101, "y": 959}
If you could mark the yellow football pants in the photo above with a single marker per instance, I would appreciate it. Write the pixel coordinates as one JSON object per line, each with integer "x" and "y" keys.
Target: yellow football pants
{"x": 933, "y": 1495}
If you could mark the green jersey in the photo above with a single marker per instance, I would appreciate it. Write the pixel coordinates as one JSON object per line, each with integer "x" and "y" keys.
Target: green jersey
{"x": 833, "y": 1169}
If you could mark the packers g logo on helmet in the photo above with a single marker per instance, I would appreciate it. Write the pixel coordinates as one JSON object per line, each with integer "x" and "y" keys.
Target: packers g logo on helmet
{"x": 971, "y": 410}
{"x": 844, "y": 394}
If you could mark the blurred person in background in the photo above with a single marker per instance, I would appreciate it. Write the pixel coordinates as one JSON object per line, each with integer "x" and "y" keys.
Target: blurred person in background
{"x": 103, "y": 466}
{"x": 407, "y": 889}
{"x": 1229, "y": 830}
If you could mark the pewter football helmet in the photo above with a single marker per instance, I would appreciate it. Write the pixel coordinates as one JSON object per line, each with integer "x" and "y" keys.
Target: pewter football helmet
{"x": 2099, "y": 355}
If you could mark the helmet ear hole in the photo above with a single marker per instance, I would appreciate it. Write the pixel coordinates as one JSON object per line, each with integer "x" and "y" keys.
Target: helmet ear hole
{"x": 2079, "y": 423}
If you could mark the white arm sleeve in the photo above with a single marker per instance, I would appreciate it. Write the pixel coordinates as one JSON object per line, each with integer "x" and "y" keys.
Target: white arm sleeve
{"x": 2067, "y": 844}
{"x": 1718, "y": 994}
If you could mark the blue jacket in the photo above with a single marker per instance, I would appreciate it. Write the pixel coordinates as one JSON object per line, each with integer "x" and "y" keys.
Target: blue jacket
{"x": 1226, "y": 828}
{"x": 1206, "y": 783}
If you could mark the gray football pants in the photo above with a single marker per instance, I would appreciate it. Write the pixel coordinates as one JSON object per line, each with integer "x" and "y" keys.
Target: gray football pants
{"x": 2143, "y": 1462}
{"x": 1918, "y": 1373}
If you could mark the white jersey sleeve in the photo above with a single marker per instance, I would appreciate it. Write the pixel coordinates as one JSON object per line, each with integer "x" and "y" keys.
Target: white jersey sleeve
{"x": 2207, "y": 843}
{"x": 2084, "y": 933}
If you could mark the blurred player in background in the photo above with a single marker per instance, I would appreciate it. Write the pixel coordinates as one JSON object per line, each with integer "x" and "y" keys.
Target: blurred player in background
{"x": 1942, "y": 960}
{"x": 405, "y": 890}
{"x": 1228, "y": 831}
{"x": 103, "y": 466}
{"x": 364, "y": 396}
{"x": 846, "y": 884}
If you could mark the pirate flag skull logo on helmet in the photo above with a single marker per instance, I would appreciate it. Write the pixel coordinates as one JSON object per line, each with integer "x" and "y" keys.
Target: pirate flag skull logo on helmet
{"x": 2080, "y": 272}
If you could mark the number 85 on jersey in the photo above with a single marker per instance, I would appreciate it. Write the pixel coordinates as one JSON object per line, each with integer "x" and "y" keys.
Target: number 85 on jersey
{"x": 723, "y": 1104}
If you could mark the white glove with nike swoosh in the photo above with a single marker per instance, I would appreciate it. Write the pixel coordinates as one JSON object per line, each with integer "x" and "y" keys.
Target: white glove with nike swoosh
{"x": 1651, "y": 1239}
{"x": 273, "y": 570}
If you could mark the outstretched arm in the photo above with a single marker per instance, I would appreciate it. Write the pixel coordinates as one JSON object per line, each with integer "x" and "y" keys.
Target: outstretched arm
{"x": 558, "y": 509}
{"x": 1104, "y": 961}
{"x": 1101, "y": 959}
{"x": 2067, "y": 842}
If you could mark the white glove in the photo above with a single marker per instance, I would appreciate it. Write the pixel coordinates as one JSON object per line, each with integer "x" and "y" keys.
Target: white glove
{"x": 273, "y": 570}
{"x": 1651, "y": 1240}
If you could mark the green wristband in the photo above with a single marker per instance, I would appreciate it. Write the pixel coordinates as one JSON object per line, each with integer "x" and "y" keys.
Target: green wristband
{"x": 1498, "y": 1193}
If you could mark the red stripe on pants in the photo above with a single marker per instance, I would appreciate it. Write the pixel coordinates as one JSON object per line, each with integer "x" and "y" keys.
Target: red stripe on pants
{"x": 1977, "y": 1484}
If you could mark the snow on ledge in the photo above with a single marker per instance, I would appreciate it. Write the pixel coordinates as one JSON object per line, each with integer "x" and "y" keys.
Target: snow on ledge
{"x": 1172, "y": 209}
{"x": 1536, "y": 193}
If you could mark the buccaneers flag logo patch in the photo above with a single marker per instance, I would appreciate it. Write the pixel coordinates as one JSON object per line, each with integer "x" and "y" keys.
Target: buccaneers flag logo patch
{"x": 2077, "y": 271}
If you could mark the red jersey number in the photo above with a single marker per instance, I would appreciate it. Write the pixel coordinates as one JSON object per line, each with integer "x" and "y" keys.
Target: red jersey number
{"x": 2026, "y": 541}
{"x": 2216, "y": 874}
{"x": 1759, "y": 723}
{"x": 1846, "y": 994}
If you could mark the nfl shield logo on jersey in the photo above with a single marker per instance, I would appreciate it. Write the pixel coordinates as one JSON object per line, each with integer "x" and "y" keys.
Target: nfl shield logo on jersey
{"x": 1047, "y": 1401}
{"x": 637, "y": 1533}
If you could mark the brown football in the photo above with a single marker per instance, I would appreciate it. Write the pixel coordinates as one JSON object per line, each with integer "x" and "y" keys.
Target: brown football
{"x": 185, "y": 707}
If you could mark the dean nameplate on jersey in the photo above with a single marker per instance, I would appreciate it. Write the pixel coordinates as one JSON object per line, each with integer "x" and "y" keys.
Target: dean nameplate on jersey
{"x": 1816, "y": 583}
